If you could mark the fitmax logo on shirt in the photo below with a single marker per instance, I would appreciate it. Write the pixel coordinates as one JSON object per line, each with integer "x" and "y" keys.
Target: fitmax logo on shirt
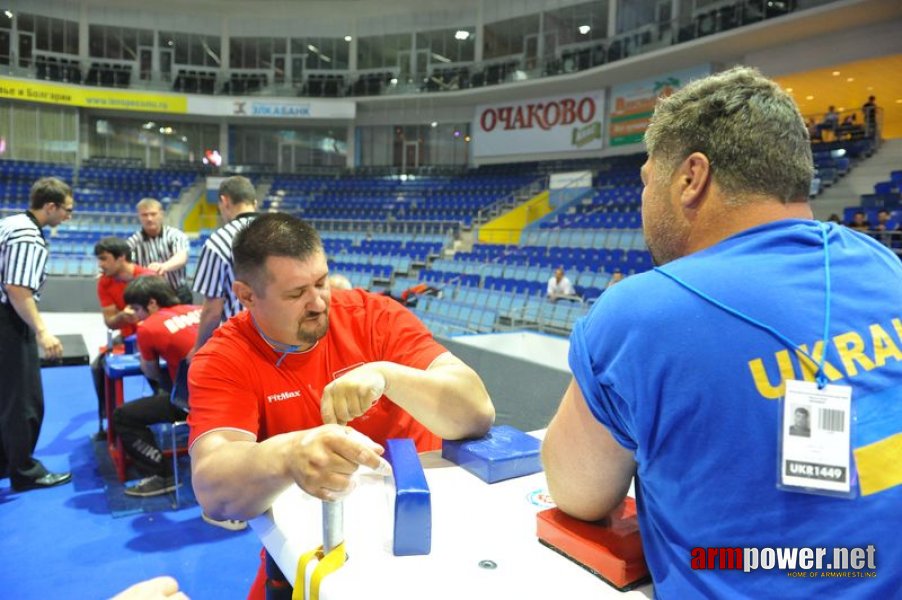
{"x": 283, "y": 396}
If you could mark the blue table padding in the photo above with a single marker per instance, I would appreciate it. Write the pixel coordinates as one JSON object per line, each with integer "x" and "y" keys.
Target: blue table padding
{"x": 122, "y": 365}
{"x": 413, "y": 505}
{"x": 504, "y": 453}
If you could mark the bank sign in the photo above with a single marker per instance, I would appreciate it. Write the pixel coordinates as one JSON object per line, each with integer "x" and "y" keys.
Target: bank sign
{"x": 541, "y": 125}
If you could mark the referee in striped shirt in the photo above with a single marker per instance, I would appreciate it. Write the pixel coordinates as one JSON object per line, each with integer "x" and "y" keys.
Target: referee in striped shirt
{"x": 160, "y": 248}
{"x": 215, "y": 270}
{"x": 23, "y": 261}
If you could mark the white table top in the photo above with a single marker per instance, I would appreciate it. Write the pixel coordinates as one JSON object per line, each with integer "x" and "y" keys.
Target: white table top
{"x": 472, "y": 521}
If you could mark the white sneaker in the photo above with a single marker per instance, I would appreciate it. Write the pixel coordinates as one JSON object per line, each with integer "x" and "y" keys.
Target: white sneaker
{"x": 230, "y": 524}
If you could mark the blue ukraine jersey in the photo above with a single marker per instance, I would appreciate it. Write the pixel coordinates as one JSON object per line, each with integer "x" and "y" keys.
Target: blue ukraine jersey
{"x": 694, "y": 392}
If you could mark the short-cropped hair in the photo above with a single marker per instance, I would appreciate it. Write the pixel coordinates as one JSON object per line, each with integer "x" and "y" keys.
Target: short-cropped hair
{"x": 750, "y": 130}
{"x": 238, "y": 189}
{"x": 149, "y": 203}
{"x": 48, "y": 190}
{"x": 115, "y": 246}
{"x": 275, "y": 234}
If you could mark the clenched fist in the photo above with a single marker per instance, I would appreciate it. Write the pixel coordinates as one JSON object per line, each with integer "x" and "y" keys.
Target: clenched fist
{"x": 353, "y": 394}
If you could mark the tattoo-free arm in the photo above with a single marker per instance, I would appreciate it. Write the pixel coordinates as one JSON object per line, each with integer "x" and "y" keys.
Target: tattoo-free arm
{"x": 588, "y": 472}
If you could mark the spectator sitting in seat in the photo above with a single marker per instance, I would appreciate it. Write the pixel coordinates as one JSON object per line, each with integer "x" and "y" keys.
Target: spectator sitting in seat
{"x": 616, "y": 277}
{"x": 168, "y": 330}
{"x": 886, "y": 229}
{"x": 829, "y": 123}
{"x": 850, "y": 129}
{"x": 834, "y": 218}
{"x": 559, "y": 286}
{"x": 813, "y": 132}
{"x": 859, "y": 222}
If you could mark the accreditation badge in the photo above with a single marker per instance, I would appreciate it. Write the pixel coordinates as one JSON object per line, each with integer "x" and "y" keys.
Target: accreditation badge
{"x": 815, "y": 434}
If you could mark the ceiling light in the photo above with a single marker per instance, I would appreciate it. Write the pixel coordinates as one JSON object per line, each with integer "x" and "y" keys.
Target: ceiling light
{"x": 461, "y": 35}
{"x": 870, "y": 88}
{"x": 467, "y": 138}
{"x": 898, "y": 100}
{"x": 841, "y": 109}
{"x": 8, "y": 13}
{"x": 836, "y": 73}
{"x": 789, "y": 90}
{"x": 393, "y": 81}
{"x": 434, "y": 124}
{"x": 440, "y": 58}
{"x": 850, "y": 79}
{"x": 348, "y": 38}
{"x": 584, "y": 29}
{"x": 809, "y": 97}
{"x": 312, "y": 48}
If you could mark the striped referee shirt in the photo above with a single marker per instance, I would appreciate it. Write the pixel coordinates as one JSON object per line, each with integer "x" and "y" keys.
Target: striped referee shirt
{"x": 23, "y": 254}
{"x": 216, "y": 271}
{"x": 146, "y": 250}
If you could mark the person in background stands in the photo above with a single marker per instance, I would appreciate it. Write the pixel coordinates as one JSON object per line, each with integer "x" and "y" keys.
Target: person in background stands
{"x": 167, "y": 330}
{"x": 859, "y": 222}
{"x": 829, "y": 123}
{"x": 161, "y": 248}
{"x": 616, "y": 277}
{"x": 116, "y": 270}
{"x": 215, "y": 271}
{"x": 869, "y": 109}
{"x": 679, "y": 373}
{"x": 886, "y": 230}
{"x": 23, "y": 262}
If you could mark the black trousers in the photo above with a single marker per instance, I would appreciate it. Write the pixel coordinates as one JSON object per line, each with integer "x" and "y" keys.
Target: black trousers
{"x": 131, "y": 422}
{"x": 21, "y": 395}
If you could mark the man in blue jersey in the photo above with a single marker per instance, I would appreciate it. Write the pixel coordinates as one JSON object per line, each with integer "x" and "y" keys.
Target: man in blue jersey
{"x": 682, "y": 376}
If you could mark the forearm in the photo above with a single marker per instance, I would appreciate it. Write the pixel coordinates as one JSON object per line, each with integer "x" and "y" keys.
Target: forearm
{"x": 451, "y": 400}
{"x": 587, "y": 471}
{"x": 241, "y": 479}
{"x": 117, "y": 320}
{"x": 178, "y": 260}
{"x": 22, "y": 300}
{"x": 210, "y": 315}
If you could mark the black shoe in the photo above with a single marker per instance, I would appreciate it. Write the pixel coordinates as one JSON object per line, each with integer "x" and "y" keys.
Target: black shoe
{"x": 154, "y": 485}
{"x": 44, "y": 481}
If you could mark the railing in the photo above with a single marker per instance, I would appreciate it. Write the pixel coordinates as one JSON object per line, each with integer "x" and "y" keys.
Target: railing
{"x": 703, "y": 21}
{"x": 510, "y": 200}
{"x": 445, "y": 228}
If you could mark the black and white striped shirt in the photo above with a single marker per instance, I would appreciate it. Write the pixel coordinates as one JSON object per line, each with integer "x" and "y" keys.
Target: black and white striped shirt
{"x": 23, "y": 255}
{"x": 216, "y": 271}
{"x": 146, "y": 250}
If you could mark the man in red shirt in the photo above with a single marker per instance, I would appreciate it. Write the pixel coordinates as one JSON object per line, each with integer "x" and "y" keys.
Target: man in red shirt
{"x": 167, "y": 330}
{"x": 117, "y": 269}
{"x": 277, "y": 388}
